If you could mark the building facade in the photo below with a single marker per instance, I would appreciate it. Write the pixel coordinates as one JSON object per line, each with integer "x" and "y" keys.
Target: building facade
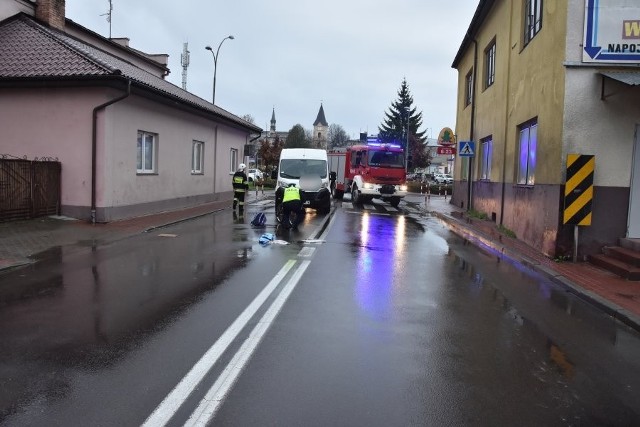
{"x": 130, "y": 143}
{"x": 533, "y": 88}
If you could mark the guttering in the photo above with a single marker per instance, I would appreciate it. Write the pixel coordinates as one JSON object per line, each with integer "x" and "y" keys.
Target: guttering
{"x": 94, "y": 145}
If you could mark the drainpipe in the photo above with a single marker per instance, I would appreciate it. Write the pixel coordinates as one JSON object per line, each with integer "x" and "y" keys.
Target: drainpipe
{"x": 215, "y": 159}
{"x": 94, "y": 145}
{"x": 473, "y": 118}
{"x": 506, "y": 120}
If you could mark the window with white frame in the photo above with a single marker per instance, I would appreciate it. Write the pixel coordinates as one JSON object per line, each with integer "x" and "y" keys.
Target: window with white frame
{"x": 490, "y": 64}
{"x": 233, "y": 160}
{"x": 532, "y": 19}
{"x": 197, "y": 157}
{"x": 146, "y": 152}
{"x": 486, "y": 153}
{"x": 528, "y": 147}
{"x": 468, "y": 88}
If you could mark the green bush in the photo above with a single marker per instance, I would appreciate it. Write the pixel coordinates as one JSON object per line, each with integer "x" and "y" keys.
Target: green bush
{"x": 504, "y": 230}
{"x": 477, "y": 214}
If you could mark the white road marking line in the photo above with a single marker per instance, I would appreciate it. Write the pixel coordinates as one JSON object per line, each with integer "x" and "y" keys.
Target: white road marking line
{"x": 216, "y": 394}
{"x": 172, "y": 402}
{"x": 306, "y": 252}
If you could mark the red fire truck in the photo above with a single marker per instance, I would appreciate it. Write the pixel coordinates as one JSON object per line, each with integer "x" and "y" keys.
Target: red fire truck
{"x": 368, "y": 171}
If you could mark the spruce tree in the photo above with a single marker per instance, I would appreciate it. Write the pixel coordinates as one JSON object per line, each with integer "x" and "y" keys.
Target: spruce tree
{"x": 394, "y": 127}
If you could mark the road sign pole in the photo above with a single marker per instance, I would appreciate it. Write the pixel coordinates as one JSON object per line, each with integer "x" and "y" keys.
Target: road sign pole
{"x": 575, "y": 243}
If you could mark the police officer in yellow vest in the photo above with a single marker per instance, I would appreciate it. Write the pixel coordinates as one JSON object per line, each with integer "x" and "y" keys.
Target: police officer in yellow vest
{"x": 292, "y": 202}
{"x": 240, "y": 187}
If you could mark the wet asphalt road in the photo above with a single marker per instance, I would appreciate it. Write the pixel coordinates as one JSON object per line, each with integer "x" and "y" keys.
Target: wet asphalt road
{"x": 383, "y": 317}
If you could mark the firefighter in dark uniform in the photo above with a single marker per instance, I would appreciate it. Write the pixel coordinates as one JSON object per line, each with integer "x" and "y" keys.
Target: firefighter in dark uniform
{"x": 240, "y": 188}
{"x": 292, "y": 202}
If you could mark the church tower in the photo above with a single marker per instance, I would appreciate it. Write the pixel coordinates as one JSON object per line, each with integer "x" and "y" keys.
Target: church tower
{"x": 273, "y": 120}
{"x": 320, "y": 129}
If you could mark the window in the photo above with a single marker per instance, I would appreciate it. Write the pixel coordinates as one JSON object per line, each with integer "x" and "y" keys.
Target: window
{"x": 468, "y": 88}
{"x": 490, "y": 64}
{"x": 527, "y": 144}
{"x": 146, "y": 152}
{"x": 532, "y": 19}
{"x": 233, "y": 160}
{"x": 197, "y": 157}
{"x": 486, "y": 152}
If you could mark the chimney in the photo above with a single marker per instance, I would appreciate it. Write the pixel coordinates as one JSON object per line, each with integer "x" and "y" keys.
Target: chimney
{"x": 51, "y": 13}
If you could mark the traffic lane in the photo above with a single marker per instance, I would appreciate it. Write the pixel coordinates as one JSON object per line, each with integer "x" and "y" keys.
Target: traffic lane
{"x": 437, "y": 343}
{"x": 346, "y": 349}
{"x": 98, "y": 326}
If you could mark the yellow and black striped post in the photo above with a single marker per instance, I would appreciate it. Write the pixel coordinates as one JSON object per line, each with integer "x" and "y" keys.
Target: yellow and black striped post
{"x": 578, "y": 189}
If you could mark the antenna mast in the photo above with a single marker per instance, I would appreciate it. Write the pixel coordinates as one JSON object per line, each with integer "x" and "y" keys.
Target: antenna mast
{"x": 184, "y": 60}
{"x": 108, "y": 15}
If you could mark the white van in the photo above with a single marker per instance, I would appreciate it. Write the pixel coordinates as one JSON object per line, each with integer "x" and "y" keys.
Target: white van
{"x": 311, "y": 165}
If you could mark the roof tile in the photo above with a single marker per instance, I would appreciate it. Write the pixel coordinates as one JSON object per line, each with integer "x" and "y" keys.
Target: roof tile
{"x": 30, "y": 50}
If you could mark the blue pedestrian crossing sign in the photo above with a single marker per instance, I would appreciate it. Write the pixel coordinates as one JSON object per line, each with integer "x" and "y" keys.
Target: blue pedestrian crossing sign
{"x": 466, "y": 148}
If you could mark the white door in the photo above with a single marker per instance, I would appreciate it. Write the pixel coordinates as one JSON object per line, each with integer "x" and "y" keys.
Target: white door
{"x": 633, "y": 230}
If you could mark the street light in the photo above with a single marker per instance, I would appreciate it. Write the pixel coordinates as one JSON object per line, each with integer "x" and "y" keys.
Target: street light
{"x": 406, "y": 151}
{"x": 215, "y": 65}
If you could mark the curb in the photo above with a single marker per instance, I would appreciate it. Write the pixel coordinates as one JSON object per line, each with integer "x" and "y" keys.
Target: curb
{"x": 177, "y": 221}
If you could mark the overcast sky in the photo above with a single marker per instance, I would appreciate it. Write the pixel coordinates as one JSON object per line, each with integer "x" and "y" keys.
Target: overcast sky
{"x": 292, "y": 55}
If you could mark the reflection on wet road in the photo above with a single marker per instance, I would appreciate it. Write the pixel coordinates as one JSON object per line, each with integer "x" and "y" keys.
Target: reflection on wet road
{"x": 392, "y": 321}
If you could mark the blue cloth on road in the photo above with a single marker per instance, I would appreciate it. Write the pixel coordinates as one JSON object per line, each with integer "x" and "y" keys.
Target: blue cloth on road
{"x": 266, "y": 238}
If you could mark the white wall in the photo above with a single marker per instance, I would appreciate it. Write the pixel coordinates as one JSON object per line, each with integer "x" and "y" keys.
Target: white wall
{"x": 11, "y": 7}
{"x": 604, "y": 128}
{"x": 52, "y": 123}
{"x": 58, "y": 123}
{"x": 176, "y": 130}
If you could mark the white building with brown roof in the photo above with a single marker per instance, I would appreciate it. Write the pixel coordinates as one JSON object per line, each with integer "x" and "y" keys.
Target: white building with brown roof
{"x": 130, "y": 142}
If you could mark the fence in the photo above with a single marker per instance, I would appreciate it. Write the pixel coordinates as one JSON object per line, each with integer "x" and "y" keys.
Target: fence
{"x": 29, "y": 188}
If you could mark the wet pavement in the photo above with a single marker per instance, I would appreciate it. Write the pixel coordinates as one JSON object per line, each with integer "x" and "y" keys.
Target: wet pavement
{"x": 26, "y": 242}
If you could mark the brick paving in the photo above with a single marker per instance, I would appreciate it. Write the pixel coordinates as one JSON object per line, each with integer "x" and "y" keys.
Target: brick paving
{"x": 21, "y": 240}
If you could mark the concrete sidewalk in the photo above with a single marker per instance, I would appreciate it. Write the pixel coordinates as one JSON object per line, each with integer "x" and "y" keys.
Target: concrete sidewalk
{"x": 22, "y": 241}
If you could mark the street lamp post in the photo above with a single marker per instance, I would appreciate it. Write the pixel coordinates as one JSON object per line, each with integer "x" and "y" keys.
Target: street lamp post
{"x": 215, "y": 65}
{"x": 406, "y": 152}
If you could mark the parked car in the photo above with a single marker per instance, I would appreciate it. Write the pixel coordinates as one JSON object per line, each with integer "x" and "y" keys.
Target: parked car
{"x": 254, "y": 174}
{"x": 442, "y": 178}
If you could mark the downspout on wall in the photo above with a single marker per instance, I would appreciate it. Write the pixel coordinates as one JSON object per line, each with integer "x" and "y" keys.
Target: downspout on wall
{"x": 215, "y": 159}
{"x": 94, "y": 146}
{"x": 471, "y": 126}
{"x": 506, "y": 120}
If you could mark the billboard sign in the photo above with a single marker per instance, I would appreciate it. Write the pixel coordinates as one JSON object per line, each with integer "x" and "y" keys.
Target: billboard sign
{"x": 446, "y": 151}
{"x": 611, "y": 31}
{"x": 447, "y": 138}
